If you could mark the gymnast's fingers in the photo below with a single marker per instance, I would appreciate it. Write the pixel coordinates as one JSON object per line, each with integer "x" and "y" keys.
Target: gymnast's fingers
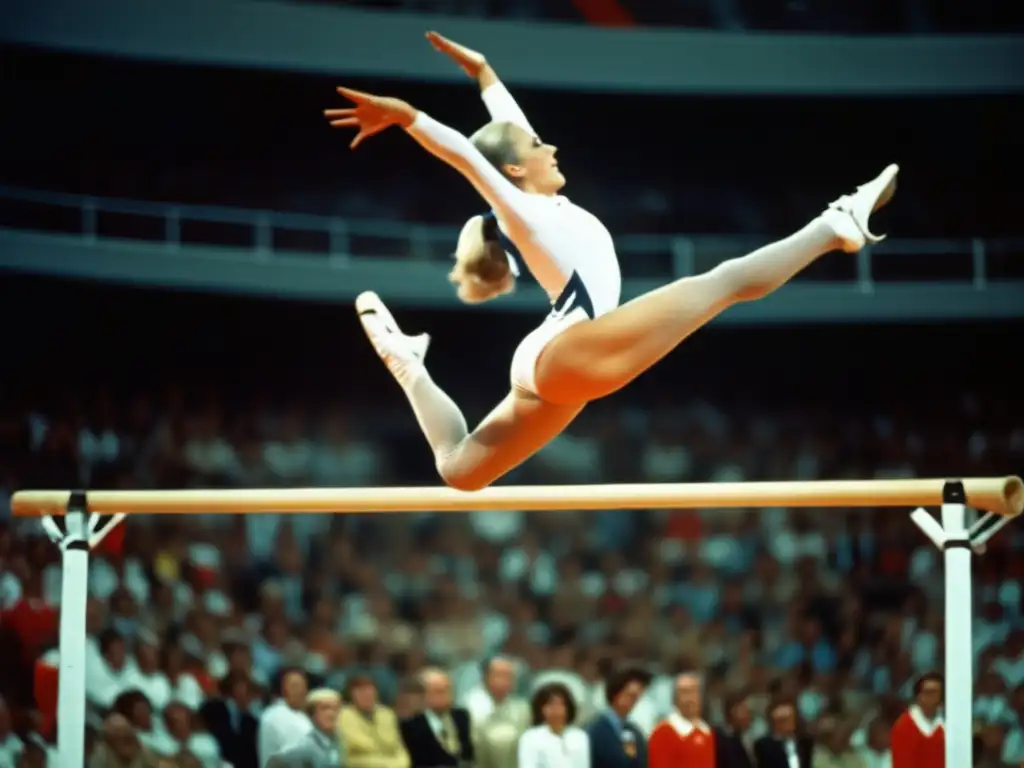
{"x": 357, "y": 96}
{"x": 439, "y": 41}
{"x": 334, "y": 114}
{"x": 365, "y": 132}
{"x": 358, "y": 139}
{"x": 345, "y": 122}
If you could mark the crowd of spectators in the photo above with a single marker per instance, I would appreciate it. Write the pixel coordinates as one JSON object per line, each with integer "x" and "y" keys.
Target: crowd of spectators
{"x": 199, "y": 626}
{"x": 842, "y": 612}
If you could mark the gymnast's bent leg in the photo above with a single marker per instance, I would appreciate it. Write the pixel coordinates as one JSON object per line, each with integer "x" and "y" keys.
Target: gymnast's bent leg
{"x": 594, "y": 359}
{"x": 516, "y": 429}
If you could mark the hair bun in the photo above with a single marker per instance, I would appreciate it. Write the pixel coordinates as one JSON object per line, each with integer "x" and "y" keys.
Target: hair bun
{"x": 471, "y": 288}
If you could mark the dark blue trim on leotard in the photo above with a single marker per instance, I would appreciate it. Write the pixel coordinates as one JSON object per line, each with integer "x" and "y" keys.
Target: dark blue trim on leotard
{"x": 574, "y": 295}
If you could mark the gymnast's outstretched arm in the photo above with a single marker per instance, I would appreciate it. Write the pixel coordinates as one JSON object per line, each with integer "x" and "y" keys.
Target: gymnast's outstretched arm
{"x": 373, "y": 114}
{"x": 455, "y": 149}
{"x": 496, "y": 97}
{"x": 503, "y": 108}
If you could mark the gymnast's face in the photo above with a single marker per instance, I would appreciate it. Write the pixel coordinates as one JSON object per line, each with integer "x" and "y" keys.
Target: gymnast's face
{"x": 537, "y": 167}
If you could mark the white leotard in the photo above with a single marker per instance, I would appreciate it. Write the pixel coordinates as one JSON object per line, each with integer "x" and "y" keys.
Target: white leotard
{"x": 557, "y": 239}
{"x": 565, "y": 247}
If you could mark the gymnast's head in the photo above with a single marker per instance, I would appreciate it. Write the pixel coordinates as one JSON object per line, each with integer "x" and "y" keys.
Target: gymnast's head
{"x": 481, "y": 270}
{"x": 522, "y": 157}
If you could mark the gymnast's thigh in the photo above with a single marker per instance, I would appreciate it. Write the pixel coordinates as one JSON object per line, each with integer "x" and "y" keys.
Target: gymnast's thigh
{"x": 518, "y": 427}
{"x": 590, "y": 360}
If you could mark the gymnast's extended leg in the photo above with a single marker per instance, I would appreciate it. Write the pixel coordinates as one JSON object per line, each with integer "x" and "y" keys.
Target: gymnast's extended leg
{"x": 516, "y": 429}
{"x": 593, "y": 359}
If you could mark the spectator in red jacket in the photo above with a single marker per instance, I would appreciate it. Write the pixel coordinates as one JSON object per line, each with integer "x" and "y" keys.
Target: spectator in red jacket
{"x": 918, "y": 736}
{"x": 684, "y": 737}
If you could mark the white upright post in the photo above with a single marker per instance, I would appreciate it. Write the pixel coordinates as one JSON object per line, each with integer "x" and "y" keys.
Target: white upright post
{"x": 74, "y": 598}
{"x": 76, "y": 538}
{"x": 959, "y": 678}
{"x": 956, "y": 542}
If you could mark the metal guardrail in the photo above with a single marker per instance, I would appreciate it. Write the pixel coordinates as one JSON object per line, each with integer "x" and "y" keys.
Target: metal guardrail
{"x": 274, "y": 235}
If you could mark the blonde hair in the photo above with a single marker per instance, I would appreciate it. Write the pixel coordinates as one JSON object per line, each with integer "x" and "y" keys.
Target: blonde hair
{"x": 481, "y": 270}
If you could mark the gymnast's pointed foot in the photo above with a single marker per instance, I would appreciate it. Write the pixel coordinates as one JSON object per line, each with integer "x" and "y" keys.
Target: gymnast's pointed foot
{"x": 850, "y": 215}
{"x": 403, "y": 355}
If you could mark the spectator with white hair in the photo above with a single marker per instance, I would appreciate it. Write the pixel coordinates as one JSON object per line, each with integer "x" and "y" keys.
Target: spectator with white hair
{"x": 440, "y": 735}
{"x": 684, "y": 737}
{"x": 319, "y": 748}
{"x": 498, "y": 717}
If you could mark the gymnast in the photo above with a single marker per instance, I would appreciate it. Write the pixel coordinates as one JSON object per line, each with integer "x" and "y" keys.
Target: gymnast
{"x": 588, "y": 346}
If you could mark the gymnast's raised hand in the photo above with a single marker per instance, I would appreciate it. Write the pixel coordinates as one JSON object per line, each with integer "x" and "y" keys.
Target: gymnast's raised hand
{"x": 472, "y": 62}
{"x": 371, "y": 114}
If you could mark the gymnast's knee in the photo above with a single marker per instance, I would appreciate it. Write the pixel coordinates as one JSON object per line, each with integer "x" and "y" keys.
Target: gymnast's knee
{"x": 459, "y": 477}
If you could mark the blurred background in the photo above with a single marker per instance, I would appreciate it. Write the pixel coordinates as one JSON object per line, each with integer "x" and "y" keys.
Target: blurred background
{"x": 180, "y": 240}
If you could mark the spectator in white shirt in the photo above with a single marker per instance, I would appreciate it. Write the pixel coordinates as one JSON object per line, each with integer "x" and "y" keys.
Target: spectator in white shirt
{"x": 497, "y": 684}
{"x": 184, "y": 687}
{"x": 177, "y": 735}
{"x": 285, "y": 721}
{"x": 561, "y": 670}
{"x": 554, "y": 740}
{"x": 146, "y": 675}
{"x": 876, "y": 753}
{"x": 497, "y": 716}
{"x": 110, "y": 674}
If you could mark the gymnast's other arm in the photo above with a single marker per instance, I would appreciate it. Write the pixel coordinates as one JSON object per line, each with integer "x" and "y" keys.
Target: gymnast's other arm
{"x": 496, "y": 97}
{"x": 372, "y": 114}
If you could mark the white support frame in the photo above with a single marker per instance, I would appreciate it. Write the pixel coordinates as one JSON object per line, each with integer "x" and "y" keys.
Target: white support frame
{"x": 82, "y": 531}
{"x": 957, "y": 541}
